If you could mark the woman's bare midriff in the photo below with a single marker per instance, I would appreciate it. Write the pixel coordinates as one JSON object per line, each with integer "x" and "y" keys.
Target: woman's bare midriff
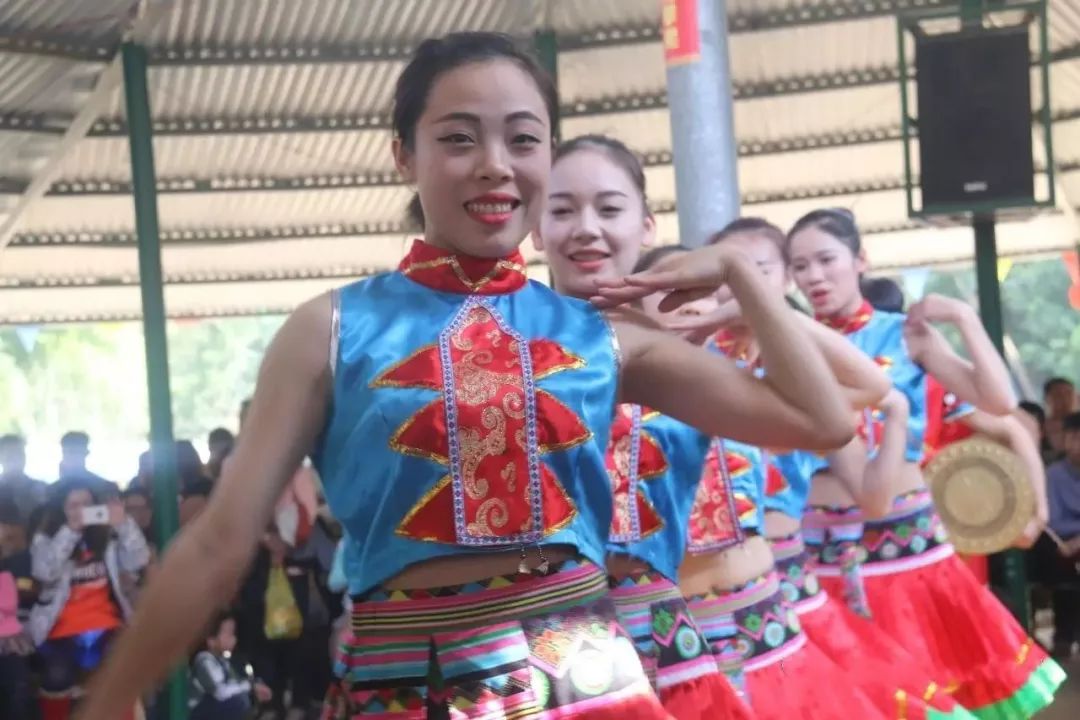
{"x": 458, "y": 569}
{"x": 621, "y": 566}
{"x": 726, "y": 569}
{"x": 778, "y": 525}
{"x": 828, "y": 489}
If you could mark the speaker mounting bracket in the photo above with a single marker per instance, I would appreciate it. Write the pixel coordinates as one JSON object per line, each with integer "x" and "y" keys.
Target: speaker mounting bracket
{"x": 975, "y": 17}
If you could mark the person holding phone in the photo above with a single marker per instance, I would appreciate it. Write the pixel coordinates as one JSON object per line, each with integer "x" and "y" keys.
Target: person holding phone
{"x": 78, "y": 557}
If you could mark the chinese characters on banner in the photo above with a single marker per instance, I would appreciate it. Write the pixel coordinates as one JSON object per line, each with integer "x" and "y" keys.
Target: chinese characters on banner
{"x": 679, "y": 24}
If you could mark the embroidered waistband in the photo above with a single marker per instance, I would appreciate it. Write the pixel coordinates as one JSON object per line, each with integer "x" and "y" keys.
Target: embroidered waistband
{"x": 498, "y": 599}
{"x": 786, "y": 547}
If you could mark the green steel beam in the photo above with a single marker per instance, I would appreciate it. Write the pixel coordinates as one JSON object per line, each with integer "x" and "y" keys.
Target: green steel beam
{"x": 201, "y": 278}
{"x": 267, "y": 184}
{"x": 204, "y": 237}
{"x": 63, "y": 47}
{"x": 98, "y": 317}
{"x": 137, "y": 103}
{"x": 287, "y": 124}
{"x": 801, "y": 15}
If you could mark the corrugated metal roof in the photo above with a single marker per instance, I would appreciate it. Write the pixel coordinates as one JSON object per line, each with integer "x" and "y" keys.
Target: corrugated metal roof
{"x": 87, "y": 21}
{"x": 225, "y": 23}
{"x": 219, "y": 156}
{"x": 803, "y": 147}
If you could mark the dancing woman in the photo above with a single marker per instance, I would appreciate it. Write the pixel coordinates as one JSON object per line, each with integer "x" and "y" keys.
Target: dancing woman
{"x": 458, "y": 414}
{"x": 596, "y": 225}
{"x": 870, "y": 659}
{"x": 902, "y": 566}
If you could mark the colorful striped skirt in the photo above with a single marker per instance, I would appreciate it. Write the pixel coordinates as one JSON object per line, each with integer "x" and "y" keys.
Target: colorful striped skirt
{"x": 922, "y": 595}
{"x": 799, "y": 585}
{"x": 512, "y": 647}
{"x": 895, "y": 681}
{"x": 673, "y": 650}
{"x": 757, "y": 638}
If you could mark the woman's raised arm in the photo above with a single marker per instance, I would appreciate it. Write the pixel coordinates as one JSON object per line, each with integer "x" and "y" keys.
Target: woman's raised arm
{"x": 201, "y": 570}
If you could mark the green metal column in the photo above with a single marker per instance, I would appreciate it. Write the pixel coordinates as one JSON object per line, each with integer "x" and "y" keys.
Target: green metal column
{"x": 1007, "y": 572}
{"x": 144, "y": 190}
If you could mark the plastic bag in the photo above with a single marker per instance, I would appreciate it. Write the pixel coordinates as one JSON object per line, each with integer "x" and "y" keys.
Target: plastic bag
{"x": 283, "y": 620}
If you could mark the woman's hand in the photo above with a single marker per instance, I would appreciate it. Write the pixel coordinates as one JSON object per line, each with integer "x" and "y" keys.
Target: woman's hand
{"x": 936, "y": 308}
{"x": 684, "y": 276}
{"x": 895, "y": 405}
{"x": 263, "y": 694}
{"x": 116, "y": 513}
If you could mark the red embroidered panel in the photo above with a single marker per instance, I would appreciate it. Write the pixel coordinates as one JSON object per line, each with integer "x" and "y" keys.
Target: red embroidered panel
{"x": 631, "y": 503}
{"x": 714, "y": 517}
{"x": 492, "y": 483}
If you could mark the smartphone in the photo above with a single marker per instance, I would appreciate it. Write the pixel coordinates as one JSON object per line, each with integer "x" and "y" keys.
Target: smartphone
{"x": 95, "y": 515}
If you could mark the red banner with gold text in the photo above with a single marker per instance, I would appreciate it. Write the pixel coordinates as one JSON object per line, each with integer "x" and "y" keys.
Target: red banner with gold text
{"x": 682, "y": 41}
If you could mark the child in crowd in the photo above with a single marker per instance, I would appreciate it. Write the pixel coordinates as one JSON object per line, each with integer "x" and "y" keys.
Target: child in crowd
{"x": 218, "y": 690}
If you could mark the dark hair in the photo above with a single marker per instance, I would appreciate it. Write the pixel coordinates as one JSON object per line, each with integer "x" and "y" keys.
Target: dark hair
{"x": 750, "y": 225}
{"x": 1033, "y": 409}
{"x": 1071, "y": 422}
{"x": 617, "y": 151}
{"x": 76, "y": 439}
{"x": 883, "y": 293}
{"x": 219, "y": 435}
{"x": 9, "y": 513}
{"x": 1055, "y": 382}
{"x": 136, "y": 492}
{"x": 95, "y": 537}
{"x": 11, "y": 440}
{"x": 838, "y": 222}
{"x": 437, "y": 56}
{"x": 657, "y": 254}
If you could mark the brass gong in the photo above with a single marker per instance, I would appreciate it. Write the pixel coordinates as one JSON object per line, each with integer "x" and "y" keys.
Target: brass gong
{"x": 982, "y": 494}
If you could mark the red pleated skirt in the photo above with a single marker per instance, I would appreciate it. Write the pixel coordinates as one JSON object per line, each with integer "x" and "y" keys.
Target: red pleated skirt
{"x": 923, "y": 596}
{"x": 898, "y": 684}
{"x": 757, "y": 638}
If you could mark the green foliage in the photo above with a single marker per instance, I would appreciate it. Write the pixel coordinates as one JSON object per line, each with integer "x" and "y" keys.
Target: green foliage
{"x": 1038, "y": 317}
{"x": 93, "y": 377}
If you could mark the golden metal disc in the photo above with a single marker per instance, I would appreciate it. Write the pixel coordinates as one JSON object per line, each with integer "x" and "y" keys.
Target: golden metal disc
{"x": 982, "y": 494}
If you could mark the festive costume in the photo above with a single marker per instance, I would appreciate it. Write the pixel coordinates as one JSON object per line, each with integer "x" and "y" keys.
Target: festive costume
{"x": 654, "y": 463}
{"x": 754, "y": 633}
{"x": 460, "y": 424}
{"x": 898, "y": 683}
{"x": 902, "y": 572}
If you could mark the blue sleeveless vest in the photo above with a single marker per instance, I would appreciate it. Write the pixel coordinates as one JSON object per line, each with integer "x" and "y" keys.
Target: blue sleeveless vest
{"x": 464, "y": 422}
{"x": 788, "y": 481}
{"x": 881, "y": 336}
{"x": 655, "y": 463}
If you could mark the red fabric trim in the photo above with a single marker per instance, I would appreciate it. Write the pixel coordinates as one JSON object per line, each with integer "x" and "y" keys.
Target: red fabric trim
{"x": 442, "y": 270}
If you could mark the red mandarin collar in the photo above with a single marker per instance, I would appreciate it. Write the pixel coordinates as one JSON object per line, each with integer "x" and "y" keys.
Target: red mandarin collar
{"x": 848, "y": 324}
{"x": 732, "y": 346}
{"x": 442, "y": 270}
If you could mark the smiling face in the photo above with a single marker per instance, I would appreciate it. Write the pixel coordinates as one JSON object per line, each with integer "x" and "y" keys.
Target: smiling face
{"x": 480, "y": 158}
{"x": 826, "y": 271}
{"x": 595, "y": 224}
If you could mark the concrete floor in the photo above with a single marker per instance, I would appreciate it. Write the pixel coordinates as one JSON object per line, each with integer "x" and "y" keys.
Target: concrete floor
{"x": 1067, "y": 704}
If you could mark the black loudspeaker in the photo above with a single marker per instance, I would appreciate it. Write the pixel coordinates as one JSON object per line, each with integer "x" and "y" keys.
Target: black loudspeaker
{"x": 974, "y": 121}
